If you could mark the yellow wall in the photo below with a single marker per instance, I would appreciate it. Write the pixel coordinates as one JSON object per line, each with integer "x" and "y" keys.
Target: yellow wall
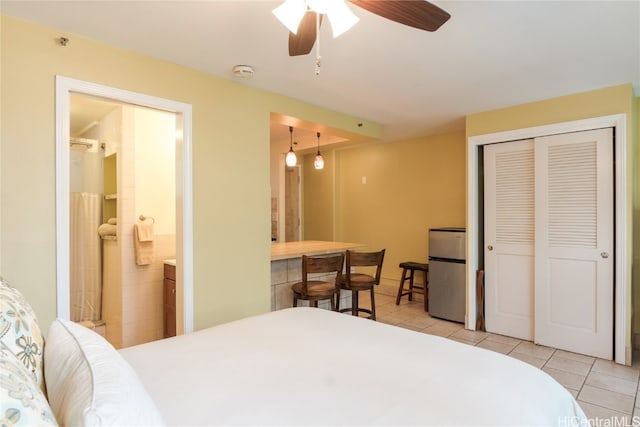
{"x": 231, "y": 195}
{"x": 411, "y": 186}
{"x": 318, "y": 198}
{"x": 602, "y": 102}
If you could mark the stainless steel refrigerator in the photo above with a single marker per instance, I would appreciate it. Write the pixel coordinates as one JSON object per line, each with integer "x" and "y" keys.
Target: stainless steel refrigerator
{"x": 447, "y": 271}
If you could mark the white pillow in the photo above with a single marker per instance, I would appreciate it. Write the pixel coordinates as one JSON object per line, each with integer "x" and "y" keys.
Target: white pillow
{"x": 90, "y": 384}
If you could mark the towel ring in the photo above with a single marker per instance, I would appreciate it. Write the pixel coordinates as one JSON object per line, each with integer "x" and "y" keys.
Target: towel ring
{"x": 144, "y": 218}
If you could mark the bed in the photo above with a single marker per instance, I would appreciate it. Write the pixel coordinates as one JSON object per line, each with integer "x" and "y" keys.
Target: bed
{"x": 299, "y": 366}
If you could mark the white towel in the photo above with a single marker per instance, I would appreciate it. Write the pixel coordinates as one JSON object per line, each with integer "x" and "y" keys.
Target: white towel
{"x": 107, "y": 230}
{"x": 112, "y": 221}
{"x": 145, "y": 231}
{"x": 143, "y": 249}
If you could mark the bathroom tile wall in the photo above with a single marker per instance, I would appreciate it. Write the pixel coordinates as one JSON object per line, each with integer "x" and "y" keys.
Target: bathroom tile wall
{"x": 142, "y": 304}
{"x": 142, "y": 319}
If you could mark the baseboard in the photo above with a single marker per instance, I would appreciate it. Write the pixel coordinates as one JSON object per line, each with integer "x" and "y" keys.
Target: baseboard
{"x": 387, "y": 287}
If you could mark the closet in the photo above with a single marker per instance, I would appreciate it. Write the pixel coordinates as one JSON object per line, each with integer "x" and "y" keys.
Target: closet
{"x": 548, "y": 240}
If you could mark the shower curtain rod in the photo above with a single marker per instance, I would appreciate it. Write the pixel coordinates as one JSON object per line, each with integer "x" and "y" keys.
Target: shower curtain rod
{"x": 86, "y": 144}
{"x": 80, "y": 141}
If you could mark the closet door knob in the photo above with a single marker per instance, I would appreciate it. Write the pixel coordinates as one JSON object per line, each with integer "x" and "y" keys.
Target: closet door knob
{"x": 490, "y": 247}
{"x": 604, "y": 255}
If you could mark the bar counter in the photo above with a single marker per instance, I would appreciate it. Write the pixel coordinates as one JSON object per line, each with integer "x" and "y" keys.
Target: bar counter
{"x": 286, "y": 269}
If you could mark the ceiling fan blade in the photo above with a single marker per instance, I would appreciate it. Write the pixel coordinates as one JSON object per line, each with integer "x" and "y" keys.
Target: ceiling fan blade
{"x": 414, "y": 13}
{"x": 302, "y": 42}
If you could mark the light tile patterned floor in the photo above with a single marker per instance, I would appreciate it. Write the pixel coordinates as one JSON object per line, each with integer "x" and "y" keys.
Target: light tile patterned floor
{"x": 607, "y": 392}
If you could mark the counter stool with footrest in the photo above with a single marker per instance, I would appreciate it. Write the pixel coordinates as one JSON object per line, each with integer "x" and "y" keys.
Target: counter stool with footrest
{"x": 356, "y": 282}
{"x": 410, "y": 267}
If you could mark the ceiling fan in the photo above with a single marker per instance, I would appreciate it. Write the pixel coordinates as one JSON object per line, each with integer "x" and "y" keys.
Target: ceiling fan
{"x": 303, "y": 17}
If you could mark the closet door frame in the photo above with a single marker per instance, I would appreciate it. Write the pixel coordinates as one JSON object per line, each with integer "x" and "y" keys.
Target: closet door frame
{"x": 622, "y": 216}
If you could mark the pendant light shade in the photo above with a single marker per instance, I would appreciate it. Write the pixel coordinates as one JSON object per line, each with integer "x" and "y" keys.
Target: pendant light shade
{"x": 318, "y": 162}
{"x": 291, "y": 159}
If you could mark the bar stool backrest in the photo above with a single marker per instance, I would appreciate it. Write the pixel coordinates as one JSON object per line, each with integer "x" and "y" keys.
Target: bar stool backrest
{"x": 365, "y": 259}
{"x": 324, "y": 264}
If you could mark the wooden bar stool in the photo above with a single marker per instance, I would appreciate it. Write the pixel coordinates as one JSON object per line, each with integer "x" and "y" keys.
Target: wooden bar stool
{"x": 356, "y": 282}
{"x": 410, "y": 268}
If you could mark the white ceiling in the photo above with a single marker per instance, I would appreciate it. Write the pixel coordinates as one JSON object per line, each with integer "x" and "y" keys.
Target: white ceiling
{"x": 490, "y": 54}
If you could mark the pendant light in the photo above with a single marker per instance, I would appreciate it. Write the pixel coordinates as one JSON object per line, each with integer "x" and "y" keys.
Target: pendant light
{"x": 318, "y": 162}
{"x": 291, "y": 159}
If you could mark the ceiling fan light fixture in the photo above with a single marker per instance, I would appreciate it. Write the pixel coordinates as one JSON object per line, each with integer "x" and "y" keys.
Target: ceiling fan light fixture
{"x": 320, "y": 6}
{"x": 341, "y": 18}
{"x": 290, "y": 13}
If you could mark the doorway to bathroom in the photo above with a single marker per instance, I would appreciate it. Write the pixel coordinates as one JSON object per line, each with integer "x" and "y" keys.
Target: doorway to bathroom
{"x": 123, "y": 161}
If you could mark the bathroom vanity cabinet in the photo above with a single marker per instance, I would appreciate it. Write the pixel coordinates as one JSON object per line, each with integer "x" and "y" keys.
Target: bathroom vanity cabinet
{"x": 169, "y": 300}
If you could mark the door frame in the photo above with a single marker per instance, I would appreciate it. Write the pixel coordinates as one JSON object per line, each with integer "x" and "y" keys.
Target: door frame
{"x": 622, "y": 216}
{"x": 184, "y": 193}
{"x": 282, "y": 223}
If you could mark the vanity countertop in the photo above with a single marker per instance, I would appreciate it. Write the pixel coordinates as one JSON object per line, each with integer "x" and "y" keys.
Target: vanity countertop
{"x": 288, "y": 250}
{"x": 170, "y": 262}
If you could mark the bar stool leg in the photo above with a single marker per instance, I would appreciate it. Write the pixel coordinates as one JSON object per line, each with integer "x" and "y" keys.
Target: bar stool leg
{"x": 354, "y": 302}
{"x": 411, "y": 285}
{"x": 373, "y": 305}
{"x": 401, "y": 287}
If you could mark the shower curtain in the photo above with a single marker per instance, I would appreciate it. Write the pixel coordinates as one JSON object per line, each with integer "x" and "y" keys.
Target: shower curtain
{"x": 85, "y": 248}
{"x": 85, "y": 256}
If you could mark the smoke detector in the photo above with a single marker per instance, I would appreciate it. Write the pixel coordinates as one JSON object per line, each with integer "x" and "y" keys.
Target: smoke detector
{"x": 243, "y": 71}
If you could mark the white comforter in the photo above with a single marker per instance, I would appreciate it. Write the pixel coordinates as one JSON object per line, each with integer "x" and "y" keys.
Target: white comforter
{"x": 316, "y": 367}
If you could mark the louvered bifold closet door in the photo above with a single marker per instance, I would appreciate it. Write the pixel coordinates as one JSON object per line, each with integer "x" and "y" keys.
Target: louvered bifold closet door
{"x": 574, "y": 242}
{"x": 509, "y": 238}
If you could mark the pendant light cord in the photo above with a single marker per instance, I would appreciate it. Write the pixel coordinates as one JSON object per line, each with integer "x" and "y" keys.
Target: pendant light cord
{"x": 291, "y": 138}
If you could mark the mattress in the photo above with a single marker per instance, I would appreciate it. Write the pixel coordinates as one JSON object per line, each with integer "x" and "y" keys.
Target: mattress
{"x": 308, "y": 366}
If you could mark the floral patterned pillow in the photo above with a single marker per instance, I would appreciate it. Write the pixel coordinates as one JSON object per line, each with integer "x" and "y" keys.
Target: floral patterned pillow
{"x": 20, "y": 332}
{"x": 22, "y": 403}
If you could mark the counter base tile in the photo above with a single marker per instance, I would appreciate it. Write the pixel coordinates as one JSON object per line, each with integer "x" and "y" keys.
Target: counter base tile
{"x": 294, "y": 270}
{"x": 279, "y": 271}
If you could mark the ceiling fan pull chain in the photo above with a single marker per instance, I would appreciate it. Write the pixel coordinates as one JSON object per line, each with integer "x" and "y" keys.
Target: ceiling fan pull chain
{"x": 318, "y": 44}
